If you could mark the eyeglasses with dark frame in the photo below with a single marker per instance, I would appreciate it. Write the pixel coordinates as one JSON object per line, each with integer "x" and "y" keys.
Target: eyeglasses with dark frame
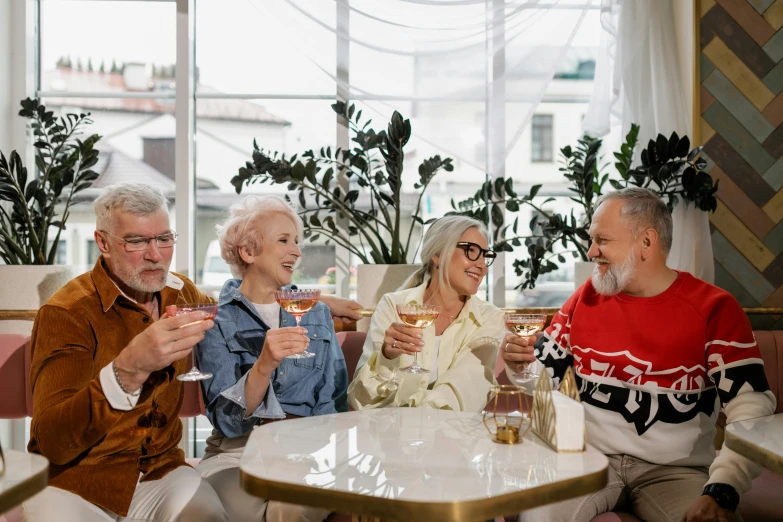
{"x": 137, "y": 244}
{"x": 474, "y": 251}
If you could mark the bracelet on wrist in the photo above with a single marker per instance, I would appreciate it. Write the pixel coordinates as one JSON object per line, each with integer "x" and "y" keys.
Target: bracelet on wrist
{"x": 122, "y": 386}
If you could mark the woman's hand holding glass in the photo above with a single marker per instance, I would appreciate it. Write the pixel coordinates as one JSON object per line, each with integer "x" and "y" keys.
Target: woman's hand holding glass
{"x": 281, "y": 343}
{"x": 400, "y": 339}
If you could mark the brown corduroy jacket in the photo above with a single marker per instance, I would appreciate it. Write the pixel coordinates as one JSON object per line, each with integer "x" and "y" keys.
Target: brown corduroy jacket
{"x": 94, "y": 450}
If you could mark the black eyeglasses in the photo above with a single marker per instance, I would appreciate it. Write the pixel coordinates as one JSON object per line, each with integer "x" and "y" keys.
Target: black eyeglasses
{"x": 473, "y": 252}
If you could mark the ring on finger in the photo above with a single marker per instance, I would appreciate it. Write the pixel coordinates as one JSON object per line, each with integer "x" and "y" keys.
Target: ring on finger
{"x": 394, "y": 344}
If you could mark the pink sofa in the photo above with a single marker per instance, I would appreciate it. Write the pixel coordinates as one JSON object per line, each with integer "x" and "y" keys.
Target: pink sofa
{"x": 763, "y": 503}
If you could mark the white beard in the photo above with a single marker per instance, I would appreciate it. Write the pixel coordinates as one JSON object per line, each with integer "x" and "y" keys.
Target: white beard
{"x": 616, "y": 278}
{"x": 133, "y": 278}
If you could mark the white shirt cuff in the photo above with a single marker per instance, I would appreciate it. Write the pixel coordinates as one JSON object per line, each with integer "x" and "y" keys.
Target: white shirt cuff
{"x": 118, "y": 399}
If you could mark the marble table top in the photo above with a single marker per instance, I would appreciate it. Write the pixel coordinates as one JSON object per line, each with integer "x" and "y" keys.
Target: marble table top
{"x": 25, "y": 475}
{"x": 760, "y": 440}
{"x": 410, "y": 463}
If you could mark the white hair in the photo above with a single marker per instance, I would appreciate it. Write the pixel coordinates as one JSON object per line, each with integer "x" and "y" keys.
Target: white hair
{"x": 134, "y": 198}
{"x": 240, "y": 229}
{"x": 644, "y": 209}
{"x": 441, "y": 240}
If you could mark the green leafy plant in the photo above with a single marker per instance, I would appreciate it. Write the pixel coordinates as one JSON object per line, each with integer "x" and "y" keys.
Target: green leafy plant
{"x": 64, "y": 162}
{"x": 668, "y": 167}
{"x": 373, "y": 169}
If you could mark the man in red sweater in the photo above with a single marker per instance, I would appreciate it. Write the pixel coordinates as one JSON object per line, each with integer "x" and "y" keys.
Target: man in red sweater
{"x": 657, "y": 353}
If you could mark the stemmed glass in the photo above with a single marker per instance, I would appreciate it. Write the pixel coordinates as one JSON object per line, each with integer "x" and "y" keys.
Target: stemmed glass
{"x": 210, "y": 308}
{"x": 417, "y": 316}
{"x": 525, "y": 325}
{"x": 298, "y": 303}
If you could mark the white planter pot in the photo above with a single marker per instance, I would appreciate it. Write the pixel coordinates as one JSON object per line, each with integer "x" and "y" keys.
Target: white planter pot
{"x": 373, "y": 281}
{"x": 25, "y": 287}
{"x": 583, "y": 270}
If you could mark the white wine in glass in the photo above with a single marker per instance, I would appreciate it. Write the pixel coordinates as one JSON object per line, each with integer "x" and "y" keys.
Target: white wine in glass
{"x": 298, "y": 303}
{"x": 417, "y": 316}
{"x": 210, "y": 308}
{"x": 525, "y": 325}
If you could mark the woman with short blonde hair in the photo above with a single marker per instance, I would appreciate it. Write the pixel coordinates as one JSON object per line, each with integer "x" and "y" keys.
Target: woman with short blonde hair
{"x": 254, "y": 382}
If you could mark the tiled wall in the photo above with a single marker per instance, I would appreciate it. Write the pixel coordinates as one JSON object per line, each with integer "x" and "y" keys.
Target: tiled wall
{"x": 741, "y": 105}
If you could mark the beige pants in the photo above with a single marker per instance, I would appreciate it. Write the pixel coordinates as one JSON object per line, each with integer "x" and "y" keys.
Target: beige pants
{"x": 180, "y": 495}
{"x": 652, "y": 492}
{"x": 220, "y": 468}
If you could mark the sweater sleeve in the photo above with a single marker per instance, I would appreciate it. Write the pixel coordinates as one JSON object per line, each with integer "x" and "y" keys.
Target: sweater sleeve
{"x": 553, "y": 349}
{"x": 735, "y": 366}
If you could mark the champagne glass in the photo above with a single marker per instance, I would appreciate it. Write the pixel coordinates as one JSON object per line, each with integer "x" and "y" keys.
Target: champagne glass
{"x": 298, "y": 303}
{"x": 417, "y": 316}
{"x": 210, "y": 308}
{"x": 525, "y": 325}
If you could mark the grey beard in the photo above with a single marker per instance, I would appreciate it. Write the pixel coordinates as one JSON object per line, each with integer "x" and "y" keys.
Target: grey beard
{"x": 616, "y": 278}
{"x": 134, "y": 281}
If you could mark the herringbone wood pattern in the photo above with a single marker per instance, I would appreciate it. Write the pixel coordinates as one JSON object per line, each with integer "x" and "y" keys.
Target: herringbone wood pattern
{"x": 741, "y": 106}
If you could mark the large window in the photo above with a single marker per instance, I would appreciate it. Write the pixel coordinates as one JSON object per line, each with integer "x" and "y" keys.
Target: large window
{"x": 482, "y": 82}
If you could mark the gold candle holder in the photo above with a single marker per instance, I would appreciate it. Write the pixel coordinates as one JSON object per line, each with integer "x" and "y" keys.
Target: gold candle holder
{"x": 506, "y": 416}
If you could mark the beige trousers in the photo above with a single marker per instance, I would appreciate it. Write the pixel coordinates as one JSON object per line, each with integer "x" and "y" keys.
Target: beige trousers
{"x": 221, "y": 471}
{"x": 179, "y": 496}
{"x": 652, "y": 492}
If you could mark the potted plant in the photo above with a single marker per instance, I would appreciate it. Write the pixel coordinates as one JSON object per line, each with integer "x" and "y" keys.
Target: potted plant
{"x": 668, "y": 166}
{"x": 34, "y": 207}
{"x": 371, "y": 205}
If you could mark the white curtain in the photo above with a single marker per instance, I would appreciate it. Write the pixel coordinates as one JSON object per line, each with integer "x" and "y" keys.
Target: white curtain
{"x": 433, "y": 61}
{"x": 638, "y": 80}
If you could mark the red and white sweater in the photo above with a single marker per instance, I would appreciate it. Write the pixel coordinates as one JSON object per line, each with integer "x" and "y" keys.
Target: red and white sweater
{"x": 654, "y": 372}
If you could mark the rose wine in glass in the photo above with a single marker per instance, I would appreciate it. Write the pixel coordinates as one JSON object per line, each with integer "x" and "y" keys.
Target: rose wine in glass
{"x": 525, "y": 325}
{"x": 298, "y": 303}
{"x": 194, "y": 374}
{"x": 417, "y": 316}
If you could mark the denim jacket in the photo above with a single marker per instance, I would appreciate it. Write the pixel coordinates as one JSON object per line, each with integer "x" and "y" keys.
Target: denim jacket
{"x": 302, "y": 387}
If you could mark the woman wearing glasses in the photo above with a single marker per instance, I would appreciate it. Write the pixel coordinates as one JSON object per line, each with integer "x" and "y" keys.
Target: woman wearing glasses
{"x": 459, "y": 349}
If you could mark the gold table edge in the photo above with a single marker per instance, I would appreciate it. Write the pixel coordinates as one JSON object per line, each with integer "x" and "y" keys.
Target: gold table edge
{"x": 757, "y": 454}
{"x": 24, "y": 490}
{"x": 395, "y": 509}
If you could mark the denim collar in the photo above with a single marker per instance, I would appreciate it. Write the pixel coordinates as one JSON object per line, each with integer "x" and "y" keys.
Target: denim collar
{"x": 230, "y": 294}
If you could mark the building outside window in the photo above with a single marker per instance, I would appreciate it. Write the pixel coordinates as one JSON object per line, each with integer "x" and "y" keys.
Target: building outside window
{"x": 541, "y": 145}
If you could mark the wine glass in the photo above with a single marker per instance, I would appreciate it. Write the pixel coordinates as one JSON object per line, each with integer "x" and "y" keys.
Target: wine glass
{"x": 298, "y": 303}
{"x": 210, "y": 308}
{"x": 417, "y": 316}
{"x": 525, "y": 325}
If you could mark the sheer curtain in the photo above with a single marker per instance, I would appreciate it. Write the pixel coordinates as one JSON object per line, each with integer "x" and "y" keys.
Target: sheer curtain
{"x": 638, "y": 80}
{"x": 433, "y": 61}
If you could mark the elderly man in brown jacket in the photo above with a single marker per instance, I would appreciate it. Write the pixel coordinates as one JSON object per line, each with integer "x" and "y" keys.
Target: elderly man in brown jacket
{"x": 104, "y": 363}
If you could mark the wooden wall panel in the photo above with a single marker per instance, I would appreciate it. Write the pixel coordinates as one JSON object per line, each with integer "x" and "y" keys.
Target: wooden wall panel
{"x": 740, "y": 72}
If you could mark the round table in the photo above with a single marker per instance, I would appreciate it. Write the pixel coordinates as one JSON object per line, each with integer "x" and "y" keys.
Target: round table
{"x": 411, "y": 464}
{"x": 25, "y": 475}
{"x": 760, "y": 440}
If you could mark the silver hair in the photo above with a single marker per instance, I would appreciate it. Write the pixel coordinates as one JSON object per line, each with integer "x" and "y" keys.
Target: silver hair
{"x": 644, "y": 209}
{"x": 441, "y": 240}
{"x": 241, "y": 230}
{"x": 135, "y": 198}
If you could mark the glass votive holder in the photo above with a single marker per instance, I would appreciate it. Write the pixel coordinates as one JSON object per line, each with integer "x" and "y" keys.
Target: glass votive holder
{"x": 506, "y": 416}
